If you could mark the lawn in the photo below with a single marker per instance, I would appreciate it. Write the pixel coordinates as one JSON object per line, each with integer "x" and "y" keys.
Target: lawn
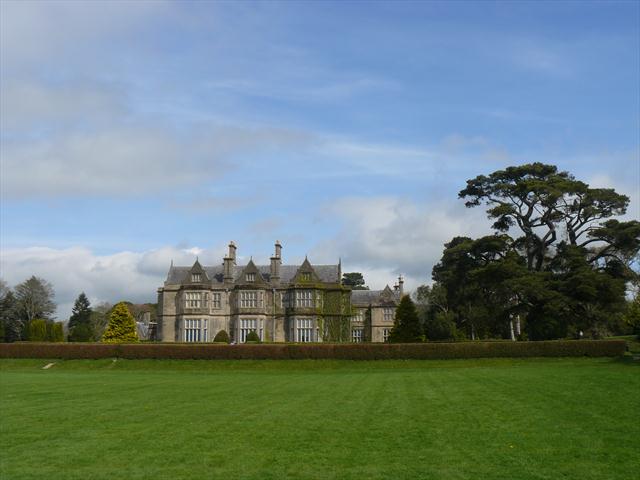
{"x": 472, "y": 419}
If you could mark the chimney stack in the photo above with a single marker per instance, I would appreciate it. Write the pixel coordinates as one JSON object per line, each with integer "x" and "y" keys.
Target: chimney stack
{"x": 232, "y": 251}
{"x": 401, "y": 285}
{"x": 229, "y": 262}
{"x": 276, "y": 261}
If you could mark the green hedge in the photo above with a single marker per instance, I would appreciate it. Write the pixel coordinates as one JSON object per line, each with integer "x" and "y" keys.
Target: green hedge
{"x": 360, "y": 351}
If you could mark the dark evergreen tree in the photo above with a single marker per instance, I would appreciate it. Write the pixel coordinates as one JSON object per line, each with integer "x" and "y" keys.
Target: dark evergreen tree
{"x": 9, "y": 321}
{"x": 355, "y": 280}
{"x": 542, "y": 203}
{"x": 406, "y": 326}
{"x": 80, "y": 325}
{"x": 221, "y": 337}
{"x": 565, "y": 273}
{"x": 252, "y": 337}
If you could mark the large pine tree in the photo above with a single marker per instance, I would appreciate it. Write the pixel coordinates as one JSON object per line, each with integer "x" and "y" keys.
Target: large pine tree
{"x": 406, "y": 326}
{"x": 122, "y": 326}
{"x": 80, "y": 327}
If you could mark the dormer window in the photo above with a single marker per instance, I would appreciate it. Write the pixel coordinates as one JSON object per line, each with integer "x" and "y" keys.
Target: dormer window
{"x": 196, "y": 278}
{"x": 250, "y": 277}
{"x": 306, "y": 277}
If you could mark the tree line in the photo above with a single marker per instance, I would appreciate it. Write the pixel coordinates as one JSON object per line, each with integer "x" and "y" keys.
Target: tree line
{"x": 27, "y": 314}
{"x": 558, "y": 264}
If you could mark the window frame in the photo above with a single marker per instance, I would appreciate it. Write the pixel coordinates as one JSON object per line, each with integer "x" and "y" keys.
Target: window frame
{"x": 304, "y": 330}
{"x": 357, "y": 335}
{"x": 195, "y": 330}
{"x": 216, "y": 300}
{"x": 304, "y": 299}
{"x": 194, "y": 300}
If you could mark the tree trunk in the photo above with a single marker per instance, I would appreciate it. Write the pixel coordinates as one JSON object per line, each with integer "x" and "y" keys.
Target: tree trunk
{"x": 513, "y": 337}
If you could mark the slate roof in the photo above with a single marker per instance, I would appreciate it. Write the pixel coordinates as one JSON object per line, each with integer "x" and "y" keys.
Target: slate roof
{"x": 370, "y": 297}
{"x": 326, "y": 273}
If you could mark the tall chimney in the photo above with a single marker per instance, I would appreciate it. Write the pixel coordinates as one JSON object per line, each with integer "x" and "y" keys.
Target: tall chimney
{"x": 232, "y": 251}
{"x": 276, "y": 261}
{"x": 228, "y": 262}
{"x": 401, "y": 285}
{"x": 227, "y": 270}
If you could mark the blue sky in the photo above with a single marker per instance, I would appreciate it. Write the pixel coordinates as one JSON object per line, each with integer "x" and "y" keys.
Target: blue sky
{"x": 133, "y": 133}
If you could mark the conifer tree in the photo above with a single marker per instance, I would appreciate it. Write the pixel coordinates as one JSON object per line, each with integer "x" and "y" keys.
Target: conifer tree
{"x": 406, "y": 326}
{"x": 122, "y": 326}
{"x": 10, "y": 325}
{"x": 252, "y": 336}
{"x": 80, "y": 326}
{"x": 221, "y": 337}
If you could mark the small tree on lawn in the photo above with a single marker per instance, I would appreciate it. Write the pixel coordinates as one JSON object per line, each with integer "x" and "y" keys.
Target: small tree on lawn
{"x": 252, "y": 336}
{"x": 406, "y": 326}
{"x": 37, "y": 330}
{"x": 55, "y": 332}
{"x": 221, "y": 337}
{"x": 80, "y": 327}
{"x": 122, "y": 326}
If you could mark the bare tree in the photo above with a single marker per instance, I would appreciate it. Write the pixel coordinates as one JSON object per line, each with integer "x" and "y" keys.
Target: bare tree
{"x": 34, "y": 299}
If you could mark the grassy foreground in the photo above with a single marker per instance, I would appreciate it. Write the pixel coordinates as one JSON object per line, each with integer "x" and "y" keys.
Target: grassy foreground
{"x": 456, "y": 419}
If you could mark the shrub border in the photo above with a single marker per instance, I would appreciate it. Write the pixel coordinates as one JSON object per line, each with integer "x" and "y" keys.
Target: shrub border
{"x": 362, "y": 351}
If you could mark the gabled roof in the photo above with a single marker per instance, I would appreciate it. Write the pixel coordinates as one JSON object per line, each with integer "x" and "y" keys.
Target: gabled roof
{"x": 325, "y": 273}
{"x": 250, "y": 268}
{"x": 197, "y": 268}
{"x": 305, "y": 268}
{"x": 364, "y": 298}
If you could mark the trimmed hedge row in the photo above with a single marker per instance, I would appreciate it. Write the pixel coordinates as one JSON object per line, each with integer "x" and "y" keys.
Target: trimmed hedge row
{"x": 361, "y": 351}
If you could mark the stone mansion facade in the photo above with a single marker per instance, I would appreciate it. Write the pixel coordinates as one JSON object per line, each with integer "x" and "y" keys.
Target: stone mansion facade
{"x": 281, "y": 303}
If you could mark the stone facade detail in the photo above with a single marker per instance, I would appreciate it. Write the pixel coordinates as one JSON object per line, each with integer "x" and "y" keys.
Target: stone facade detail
{"x": 281, "y": 303}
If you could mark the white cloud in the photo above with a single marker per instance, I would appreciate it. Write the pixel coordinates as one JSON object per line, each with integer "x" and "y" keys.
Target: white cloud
{"x": 44, "y": 31}
{"x": 388, "y": 236}
{"x": 133, "y": 276}
{"x": 128, "y": 160}
{"x": 31, "y": 105}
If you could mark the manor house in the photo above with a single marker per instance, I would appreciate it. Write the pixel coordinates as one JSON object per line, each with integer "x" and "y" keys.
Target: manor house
{"x": 281, "y": 303}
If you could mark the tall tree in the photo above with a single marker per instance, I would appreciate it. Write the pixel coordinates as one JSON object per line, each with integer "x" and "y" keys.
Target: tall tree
{"x": 549, "y": 206}
{"x": 80, "y": 326}
{"x": 100, "y": 319}
{"x": 34, "y": 299}
{"x": 9, "y": 322}
{"x": 436, "y": 317}
{"x": 566, "y": 270}
{"x": 122, "y": 326}
{"x": 406, "y": 326}
{"x": 354, "y": 280}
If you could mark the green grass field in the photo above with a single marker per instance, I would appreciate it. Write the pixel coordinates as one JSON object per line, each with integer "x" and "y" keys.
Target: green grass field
{"x": 471, "y": 419}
